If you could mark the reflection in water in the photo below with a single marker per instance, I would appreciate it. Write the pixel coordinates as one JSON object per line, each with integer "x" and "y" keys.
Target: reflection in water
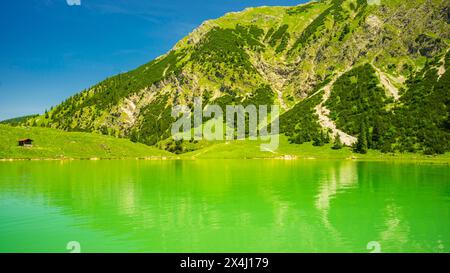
{"x": 223, "y": 206}
{"x": 128, "y": 199}
{"x": 344, "y": 176}
{"x": 336, "y": 179}
{"x": 396, "y": 232}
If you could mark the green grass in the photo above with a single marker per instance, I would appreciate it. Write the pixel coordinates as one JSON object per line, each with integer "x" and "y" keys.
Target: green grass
{"x": 251, "y": 149}
{"x": 57, "y": 144}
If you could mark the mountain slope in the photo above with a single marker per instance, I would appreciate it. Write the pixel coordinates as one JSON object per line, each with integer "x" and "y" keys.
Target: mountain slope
{"x": 334, "y": 67}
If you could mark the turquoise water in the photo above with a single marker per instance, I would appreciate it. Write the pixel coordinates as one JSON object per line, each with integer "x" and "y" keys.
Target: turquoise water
{"x": 223, "y": 206}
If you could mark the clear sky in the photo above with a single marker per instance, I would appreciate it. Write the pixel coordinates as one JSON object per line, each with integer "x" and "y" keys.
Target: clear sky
{"x": 52, "y": 49}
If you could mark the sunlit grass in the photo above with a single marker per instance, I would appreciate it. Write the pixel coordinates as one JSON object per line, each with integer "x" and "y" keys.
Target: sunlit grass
{"x": 52, "y": 143}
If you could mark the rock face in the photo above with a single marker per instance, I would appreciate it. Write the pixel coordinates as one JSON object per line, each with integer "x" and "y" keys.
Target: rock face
{"x": 325, "y": 121}
{"x": 266, "y": 55}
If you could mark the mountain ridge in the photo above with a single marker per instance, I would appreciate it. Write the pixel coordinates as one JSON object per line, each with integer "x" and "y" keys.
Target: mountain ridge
{"x": 284, "y": 55}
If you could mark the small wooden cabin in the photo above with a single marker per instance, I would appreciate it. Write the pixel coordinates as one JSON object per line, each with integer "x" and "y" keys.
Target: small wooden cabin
{"x": 26, "y": 142}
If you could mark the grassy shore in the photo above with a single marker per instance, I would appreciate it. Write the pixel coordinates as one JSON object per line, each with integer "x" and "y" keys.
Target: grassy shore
{"x": 251, "y": 149}
{"x": 57, "y": 144}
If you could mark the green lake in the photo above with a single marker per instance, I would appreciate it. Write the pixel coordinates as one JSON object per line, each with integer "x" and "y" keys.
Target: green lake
{"x": 224, "y": 206}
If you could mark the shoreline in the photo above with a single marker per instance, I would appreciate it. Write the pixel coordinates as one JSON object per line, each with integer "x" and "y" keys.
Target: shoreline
{"x": 392, "y": 158}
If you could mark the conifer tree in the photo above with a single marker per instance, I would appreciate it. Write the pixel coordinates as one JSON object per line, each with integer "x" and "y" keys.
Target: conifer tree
{"x": 337, "y": 143}
{"x": 361, "y": 144}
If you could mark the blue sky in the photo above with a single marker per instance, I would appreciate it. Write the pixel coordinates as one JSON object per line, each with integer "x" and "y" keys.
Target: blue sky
{"x": 50, "y": 50}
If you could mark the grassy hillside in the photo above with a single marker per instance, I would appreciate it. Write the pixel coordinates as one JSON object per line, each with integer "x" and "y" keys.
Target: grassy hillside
{"x": 251, "y": 149}
{"x": 57, "y": 144}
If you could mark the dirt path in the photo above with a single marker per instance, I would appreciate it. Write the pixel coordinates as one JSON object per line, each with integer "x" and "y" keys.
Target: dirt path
{"x": 324, "y": 119}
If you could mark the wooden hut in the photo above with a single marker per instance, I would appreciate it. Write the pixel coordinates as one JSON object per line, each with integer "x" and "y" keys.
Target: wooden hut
{"x": 26, "y": 142}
